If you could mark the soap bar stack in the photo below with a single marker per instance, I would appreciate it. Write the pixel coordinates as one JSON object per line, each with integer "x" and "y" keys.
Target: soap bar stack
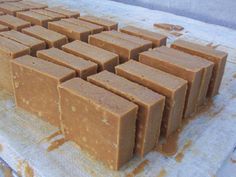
{"x": 116, "y": 93}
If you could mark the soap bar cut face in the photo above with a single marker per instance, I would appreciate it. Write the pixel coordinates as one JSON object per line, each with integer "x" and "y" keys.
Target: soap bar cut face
{"x": 3, "y": 28}
{"x": 34, "y": 5}
{"x": 188, "y": 69}
{"x": 107, "y": 24}
{"x": 14, "y": 22}
{"x": 174, "y": 88}
{"x": 215, "y": 56}
{"x": 82, "y": 67}
{"x": 9, "y": 50}
{"x": 151, "y": 105}
{"x": 66, "y": 12}
{"x": 53, "y": 15}
{"x": 33, "y": 43}
{"x": 156, "y": 38}
{"x": 94, "y": 29}
{"x": 72, "y": 31}
{"x": 35, "y": 84}
{"x": 126, "y": 49}
{"x": 99, "y": 121}
{"x": 10, "y": 9}
{"x": 52, "y": 38}
{"x": 106, "y": 60}
{"x": 35, "y": 18}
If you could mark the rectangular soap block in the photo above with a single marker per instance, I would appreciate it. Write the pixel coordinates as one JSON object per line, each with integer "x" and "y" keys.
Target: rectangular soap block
{"x": 53, "y": 15}
{"x": 213, "y": 55}
{"x": 186, "y": 68}
{"x": 156, "y": 38}
{"x": 174, "y": 88}
{"x": 9, "y": 50}
{"x": 52, "y": 38}
{"x": 82, "y": 67}
{"x": 23, "y": 7}
{"x": 198, "y": 62}
{"x": 34, "y": 18}
{"x": 35, "y": 83}
{"x": 151, "y": 105}
{"x": 125, "y": 49}
{"x": 99, "y": 121}
{"x": 34, "y": 5}
{"x": 94, "y": 29}
{"x": 3, "y": 28}
{"x": 2, "y": 13}
{"x": 66, "y": 12}
{"x": 9, "y": 9}
{"x": 106, "y": 60}
{"x": 14, "y": 22}
{"x": 72, "y": 31}
{"x": 107, "y": 24}
{"x": 33, "y": 43}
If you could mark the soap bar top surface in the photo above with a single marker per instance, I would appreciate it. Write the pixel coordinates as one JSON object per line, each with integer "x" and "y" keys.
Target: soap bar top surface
{"x": 34, "y": 5}
{"x": 12, "y": 48}
{"x": 13, "y": 22}
{"x": 22, "y": 38}
{"x": 99, "y": 96}
{"x": 34, "y": 15}
{"x": 52, "y": 70}
{"x": 68, "y": 13}
{"x": 48, "y": 13}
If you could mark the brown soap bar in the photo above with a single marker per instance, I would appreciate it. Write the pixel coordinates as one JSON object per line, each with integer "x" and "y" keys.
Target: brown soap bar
{"x": 23, "y": 7}
{"x": 8, "y": 50}
{"x": 215, "y": 56}
{"x": 174, "y": 88}
{"x": 186, "y": 68}
{"x": 106, "y": 60}
{"x": 9, "y": 9}
{"x": 14, "y": 22}
{"x": 198, "y": 62}
{"x": 34, "y": 5}
{"x": 35, "y": 83}
{"x": 99, "y": 121}
{"x": 35, "y": 18}
{"x": 107, "y": 24}
{"x": 53, "y": 15}
{"x": 52, "y": 38}
{"x": 150, "y": 104}
{"x": 156, "y": 38}
{"x": 72, "y": 31}
{"x": 94, "y": 29}
{"x": 125, "y": 49}
{"x": 33, "y": 43}
{"x": 82, "y": 67}
{"x": 2, "y": 13}
{"x": 66, "y": 12}
{"x": 3, "y": 28}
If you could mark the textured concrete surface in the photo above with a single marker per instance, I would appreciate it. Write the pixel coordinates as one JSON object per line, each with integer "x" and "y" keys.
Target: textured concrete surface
{"x": 221, "y": 12}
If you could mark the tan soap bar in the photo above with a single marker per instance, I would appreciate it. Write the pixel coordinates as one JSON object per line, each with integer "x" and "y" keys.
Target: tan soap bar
{"x": 35, "y": 18}
{"x": 35, "y": 84}
{"x": 2, "y": 13}
{"x": 174, "y": 88}
{"x": 82, "y": 67}
{"x": 99, "y": 121}
{"x": 156, "y": 38}
{"x": 94, "y": 29}
{"x": 151, "y": 105}
{"x": 53, "y": 15}
{"x": 14, "y": 22}
{"x": 3, "y": 28}
{"x": 9, "y": 50}
{"x": 216, "y": 56}
{"x": 195, "y": 61}
{"x": 66, "y": 12}
{"x": 186, "y": 68}
{"x": 23, "y": 7}
{"x": 107, "y": 24}
{"x": 9, "y": 9}
{"x": 33, "y": 43}
{"x": 34, "y": 5}
{"x": 72, "y": 31}
{"x": 106, "y": 60}
{"x": 125, "y": 49}
{"x": 52, "y": 38}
